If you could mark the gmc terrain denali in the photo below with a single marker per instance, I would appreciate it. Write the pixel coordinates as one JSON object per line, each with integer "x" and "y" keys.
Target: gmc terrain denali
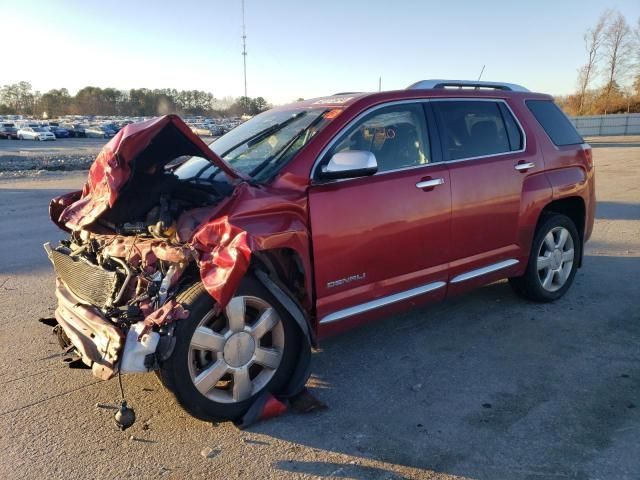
{"x": 220, "y": 267}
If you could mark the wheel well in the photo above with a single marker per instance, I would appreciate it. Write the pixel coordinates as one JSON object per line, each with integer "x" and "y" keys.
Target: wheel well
{"x": 572, "y": 207}
{"x": 287, "y": 265}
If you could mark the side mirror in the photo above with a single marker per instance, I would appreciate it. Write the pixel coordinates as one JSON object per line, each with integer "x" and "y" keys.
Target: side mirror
{"x": 349, "y": 164}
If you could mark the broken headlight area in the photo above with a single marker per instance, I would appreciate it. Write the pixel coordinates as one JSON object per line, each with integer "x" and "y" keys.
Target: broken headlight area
{"x": 111, "y": 285}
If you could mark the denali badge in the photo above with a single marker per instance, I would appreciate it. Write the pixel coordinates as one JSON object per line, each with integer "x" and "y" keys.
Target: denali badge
{"x": 344, "y": 281}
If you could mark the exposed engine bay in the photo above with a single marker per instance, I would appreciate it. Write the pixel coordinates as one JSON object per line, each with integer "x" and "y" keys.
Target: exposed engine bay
{"x": 126, "y": 255}
{"x": 132, "y": 263}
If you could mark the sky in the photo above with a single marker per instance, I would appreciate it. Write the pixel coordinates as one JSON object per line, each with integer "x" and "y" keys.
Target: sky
{"x": 295, "y": 48}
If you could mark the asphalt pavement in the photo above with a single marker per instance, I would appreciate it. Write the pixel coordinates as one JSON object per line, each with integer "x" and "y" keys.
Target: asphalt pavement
{"x": 485, "y": 385}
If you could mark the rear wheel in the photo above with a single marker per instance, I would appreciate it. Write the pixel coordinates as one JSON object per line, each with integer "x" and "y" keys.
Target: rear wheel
{"x": 553, "y": 260}
{"x": 223, "y": 360}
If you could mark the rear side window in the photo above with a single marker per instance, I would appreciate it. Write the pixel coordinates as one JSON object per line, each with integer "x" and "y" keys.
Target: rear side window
{"x": 554, "y": 122}
{"x": 472, "y": 129}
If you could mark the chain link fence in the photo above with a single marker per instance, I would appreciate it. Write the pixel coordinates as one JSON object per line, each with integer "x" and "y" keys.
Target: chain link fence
{"x": 600, "y": 125}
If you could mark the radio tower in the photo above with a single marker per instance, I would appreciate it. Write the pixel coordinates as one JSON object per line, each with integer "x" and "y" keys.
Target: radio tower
{"x": 244, "y": 51}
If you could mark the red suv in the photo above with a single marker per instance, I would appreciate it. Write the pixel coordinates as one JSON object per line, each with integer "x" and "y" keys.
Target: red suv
{"x": 220, "y": 266}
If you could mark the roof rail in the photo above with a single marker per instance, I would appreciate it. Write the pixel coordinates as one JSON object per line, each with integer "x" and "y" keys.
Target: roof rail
{"x": 432, "y": 84}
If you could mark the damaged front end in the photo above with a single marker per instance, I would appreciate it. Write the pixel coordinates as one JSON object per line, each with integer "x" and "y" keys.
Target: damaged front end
{"x": 104, "y": 290}
{"x": 130, "y": 249}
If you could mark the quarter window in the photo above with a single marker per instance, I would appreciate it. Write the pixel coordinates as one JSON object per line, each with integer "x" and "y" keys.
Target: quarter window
{"x": 396, "y": 135}
{"x": 476, "y": 128}
{"x": 554, "y": 122}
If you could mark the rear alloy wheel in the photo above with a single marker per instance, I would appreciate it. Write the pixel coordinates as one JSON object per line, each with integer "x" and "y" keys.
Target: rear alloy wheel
{"x": 553, "y": 260}
{"x": 223, "y": 360}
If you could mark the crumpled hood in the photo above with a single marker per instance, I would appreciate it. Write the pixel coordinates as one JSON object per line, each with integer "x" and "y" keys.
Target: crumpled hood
{"x": 136, "y": 148}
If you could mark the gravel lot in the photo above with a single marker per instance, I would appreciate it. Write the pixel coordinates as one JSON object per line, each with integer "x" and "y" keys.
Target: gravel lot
{"x": 482, "y": 386}
{"x": 23, "y": 158}
{"x": 29, "y": 158}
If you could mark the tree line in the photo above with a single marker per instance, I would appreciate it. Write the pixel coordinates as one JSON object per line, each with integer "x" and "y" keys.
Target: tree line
{"x": 21, "y": 99}
{"x": 609, "y": 81}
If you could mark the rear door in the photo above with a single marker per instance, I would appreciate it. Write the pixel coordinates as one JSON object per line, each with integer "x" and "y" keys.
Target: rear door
{"x": 489, "y": 160}
{"x": 381, "y": 242}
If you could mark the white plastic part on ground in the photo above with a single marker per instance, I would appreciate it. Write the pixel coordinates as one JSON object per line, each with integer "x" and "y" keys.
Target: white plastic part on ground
{"x": 135, "y": 351}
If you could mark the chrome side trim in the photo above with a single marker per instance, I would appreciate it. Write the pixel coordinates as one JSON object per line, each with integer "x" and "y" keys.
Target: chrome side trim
{"x": 381, "y": 302}
{"x": 484, "y": 270}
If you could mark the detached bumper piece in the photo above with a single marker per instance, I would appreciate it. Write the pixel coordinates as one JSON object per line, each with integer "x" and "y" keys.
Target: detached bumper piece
{"x": 98, "y": 342}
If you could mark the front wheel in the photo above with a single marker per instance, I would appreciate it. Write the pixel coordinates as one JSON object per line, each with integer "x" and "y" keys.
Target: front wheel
{"x": 223, "y": 360}
{"x": 553, "y": 261}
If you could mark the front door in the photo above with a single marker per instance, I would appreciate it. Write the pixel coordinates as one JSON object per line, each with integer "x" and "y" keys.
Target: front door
{"x": 381, "y": 242}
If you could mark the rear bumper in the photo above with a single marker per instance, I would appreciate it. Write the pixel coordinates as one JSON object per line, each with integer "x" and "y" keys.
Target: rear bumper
{"x": 97, "y": 340}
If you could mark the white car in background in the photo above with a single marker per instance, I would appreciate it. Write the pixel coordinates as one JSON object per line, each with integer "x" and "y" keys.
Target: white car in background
{"x": 35, "y": 133}
{"x": 200, "y": 129}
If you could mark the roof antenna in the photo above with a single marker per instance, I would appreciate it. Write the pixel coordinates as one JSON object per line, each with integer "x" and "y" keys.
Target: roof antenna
{"x": 481, "y": 72}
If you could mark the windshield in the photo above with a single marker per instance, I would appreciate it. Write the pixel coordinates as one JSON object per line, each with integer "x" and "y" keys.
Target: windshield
{"x": 262, "y": 145}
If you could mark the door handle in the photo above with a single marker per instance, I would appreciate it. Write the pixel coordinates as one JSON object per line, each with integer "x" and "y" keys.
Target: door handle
{"x": 430, "y": 183}
{"x": 524, "y": 166}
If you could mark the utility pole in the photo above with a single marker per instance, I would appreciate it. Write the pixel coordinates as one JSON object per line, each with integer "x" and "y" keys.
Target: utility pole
{"x": 244, "y": 50}
{"x": 379, "y": 84}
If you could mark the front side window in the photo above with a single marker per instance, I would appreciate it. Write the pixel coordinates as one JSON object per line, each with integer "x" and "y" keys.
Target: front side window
{"x": 396, "y": 135}
{"x": 472, "y": 129}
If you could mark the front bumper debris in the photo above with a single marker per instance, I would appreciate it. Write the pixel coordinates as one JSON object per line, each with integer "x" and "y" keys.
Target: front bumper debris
{"x": 98, "y": 341}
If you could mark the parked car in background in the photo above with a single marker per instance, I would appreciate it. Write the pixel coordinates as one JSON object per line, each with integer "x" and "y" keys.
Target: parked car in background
{"x": 35, "y": 133}
{"x": 75, "y": 130}
{"x": 108, "y": 131}
{"x": 200, "y": 129}
{"x": 59, "y": 132}
{"x": 112, "y": 126}
{"x": 94, "y": 131}
{"x": 8, "y": 131}
{"x": 216, "y": 130}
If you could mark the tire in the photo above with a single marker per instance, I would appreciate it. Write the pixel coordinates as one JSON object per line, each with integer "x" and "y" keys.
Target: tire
{"x": 553, "y": 261}
{"x": 187, "y": 362}
{"x": 20, "y": 137}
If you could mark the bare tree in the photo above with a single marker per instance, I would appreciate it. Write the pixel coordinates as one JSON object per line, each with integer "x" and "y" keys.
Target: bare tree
{"x": 593, "y": 39}
{"x": 618, "y": 44}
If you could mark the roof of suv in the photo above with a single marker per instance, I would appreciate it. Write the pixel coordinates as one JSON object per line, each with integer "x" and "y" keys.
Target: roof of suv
{"x": 427, "y": 88}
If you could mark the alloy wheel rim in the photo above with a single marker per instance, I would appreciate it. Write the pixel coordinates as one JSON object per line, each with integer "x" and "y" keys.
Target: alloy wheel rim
{"x": 233, "y": 355}
{"x": 555, "y": 259}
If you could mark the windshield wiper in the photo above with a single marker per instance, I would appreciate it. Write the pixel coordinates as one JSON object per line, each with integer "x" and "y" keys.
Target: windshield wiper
{"x": 254, "y": 139}
{"x": 262, "y": 134}
{"x": 280, "y": 153}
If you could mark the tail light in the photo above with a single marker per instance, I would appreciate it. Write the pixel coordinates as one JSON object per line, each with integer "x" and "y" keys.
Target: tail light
{"x": 587, "y": 154}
